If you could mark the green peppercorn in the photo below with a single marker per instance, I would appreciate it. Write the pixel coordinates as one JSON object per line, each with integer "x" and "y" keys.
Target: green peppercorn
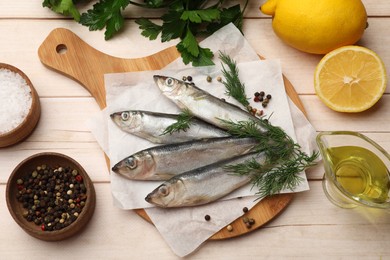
{"x": 209, "y": 79}
{"x": 25, "y": 213}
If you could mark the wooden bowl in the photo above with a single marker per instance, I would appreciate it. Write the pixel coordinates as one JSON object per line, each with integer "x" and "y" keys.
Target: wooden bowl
{"x": 29, "y": 123}
{"x": 52, "y": 160}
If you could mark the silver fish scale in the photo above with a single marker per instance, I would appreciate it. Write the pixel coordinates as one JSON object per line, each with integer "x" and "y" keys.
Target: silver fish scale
{"x": 203, "y": 185}
{"x": 164, "y": 161}
{"x": 177, "y": 159}
{"x": 151, "y": 125}
{"x": 201, "y": 103}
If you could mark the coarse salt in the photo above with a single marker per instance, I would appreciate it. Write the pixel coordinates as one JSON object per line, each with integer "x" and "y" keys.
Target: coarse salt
{"x": 15, "y": 100}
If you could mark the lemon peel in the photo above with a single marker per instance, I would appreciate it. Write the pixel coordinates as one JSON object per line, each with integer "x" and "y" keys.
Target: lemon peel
{"x": 317, "y": 26}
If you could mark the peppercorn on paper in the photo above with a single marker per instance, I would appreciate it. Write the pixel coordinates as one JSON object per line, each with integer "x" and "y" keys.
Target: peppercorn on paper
{"x": 185, "y": 229}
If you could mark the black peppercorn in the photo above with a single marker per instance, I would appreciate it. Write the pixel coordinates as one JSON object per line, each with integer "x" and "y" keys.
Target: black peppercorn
{"x": 45, "y": 193}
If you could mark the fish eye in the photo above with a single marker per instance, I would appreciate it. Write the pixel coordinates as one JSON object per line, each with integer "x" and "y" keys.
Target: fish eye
{"x": 163, "y": 191}
{"x": 131, "y": 163}
{"x": 169, "y": 82}
{"x": 125, "y": 116}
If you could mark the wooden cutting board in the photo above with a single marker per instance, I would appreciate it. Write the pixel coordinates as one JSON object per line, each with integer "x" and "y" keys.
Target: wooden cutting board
{"x": 65, "y": 52}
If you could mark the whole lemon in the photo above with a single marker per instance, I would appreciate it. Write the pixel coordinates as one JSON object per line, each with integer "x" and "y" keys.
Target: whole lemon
{"x": 317, "y": 26}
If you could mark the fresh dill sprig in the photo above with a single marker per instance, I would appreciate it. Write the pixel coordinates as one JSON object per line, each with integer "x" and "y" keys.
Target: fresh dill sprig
{"x": 183, "y": 123}
{"x": 283, "y": 158}
{"x": 270, "y": 139}
{"x": 269, "y": 178}
{"x": 234, "y": 87}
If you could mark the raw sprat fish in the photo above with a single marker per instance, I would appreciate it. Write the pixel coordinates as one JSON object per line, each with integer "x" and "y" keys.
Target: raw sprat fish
{"x": 201, "y": 103}
{"x": 202, "y": 185}
{"x": 165, "y": 161}
{"x": 151, "y": 126}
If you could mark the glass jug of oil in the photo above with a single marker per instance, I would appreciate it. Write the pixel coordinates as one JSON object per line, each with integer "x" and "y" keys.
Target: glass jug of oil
{"x": 356, "y": 170}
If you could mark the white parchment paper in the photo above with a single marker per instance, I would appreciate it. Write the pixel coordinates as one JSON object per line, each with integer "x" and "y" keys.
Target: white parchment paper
{"x": 137, "y": 91}
{"x": 185, "y": 229}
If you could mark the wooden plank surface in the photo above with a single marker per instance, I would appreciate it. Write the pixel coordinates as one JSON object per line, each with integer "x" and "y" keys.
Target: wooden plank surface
{"x": 310, "y": 227}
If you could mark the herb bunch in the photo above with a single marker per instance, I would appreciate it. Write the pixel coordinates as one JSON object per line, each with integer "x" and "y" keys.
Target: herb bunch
{"x": 183, "y": 19}
{"x": 284, "y": 158}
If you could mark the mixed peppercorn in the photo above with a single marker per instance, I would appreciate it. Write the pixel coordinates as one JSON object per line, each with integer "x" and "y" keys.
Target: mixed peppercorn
{"x": 52, "y": 198}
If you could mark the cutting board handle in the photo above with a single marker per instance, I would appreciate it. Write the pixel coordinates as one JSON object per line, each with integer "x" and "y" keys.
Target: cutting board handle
{"x": 65, "y": 52}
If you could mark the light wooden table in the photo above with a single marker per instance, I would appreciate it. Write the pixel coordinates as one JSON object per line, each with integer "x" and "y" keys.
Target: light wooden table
{"x": 310, "y": 227}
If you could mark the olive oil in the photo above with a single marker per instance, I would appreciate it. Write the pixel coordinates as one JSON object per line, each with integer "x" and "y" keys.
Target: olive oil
{"x": 360, "y": 172}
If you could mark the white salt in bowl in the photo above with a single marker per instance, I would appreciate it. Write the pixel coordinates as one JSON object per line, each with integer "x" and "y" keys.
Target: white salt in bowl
{"x": 20, "y": 109}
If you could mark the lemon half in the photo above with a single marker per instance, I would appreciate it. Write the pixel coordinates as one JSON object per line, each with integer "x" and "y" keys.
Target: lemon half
{"x": 350, "y": 79}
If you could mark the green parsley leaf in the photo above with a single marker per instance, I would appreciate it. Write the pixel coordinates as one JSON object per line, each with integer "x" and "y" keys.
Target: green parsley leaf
{"x": 228, "y": 15}
{"x": 190, "y": 44}
{"x": 149, "y": 29}
{"x": 199, "y": 16}
{"x": 172, "y": 27}
{"x": 64, "y": 7}
{"x": 204, "y": 57}
{"x": 105, "y": 13}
